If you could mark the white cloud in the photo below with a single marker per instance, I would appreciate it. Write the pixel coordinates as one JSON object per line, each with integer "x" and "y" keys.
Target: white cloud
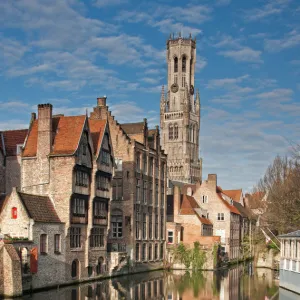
{"x": 201, "y": 63}
{"x": 14, "y": 105}
{"x": 281, "y": 94}
{"x": 244, "y": 54}
{"x": 222, "y": 2}
{"x": 104, "y": 3}
{"x": 217, "y": 83}
{"x": 290, "y": 40}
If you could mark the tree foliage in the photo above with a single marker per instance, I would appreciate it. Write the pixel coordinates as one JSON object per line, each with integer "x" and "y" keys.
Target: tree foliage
{"x": 281, "y": 185}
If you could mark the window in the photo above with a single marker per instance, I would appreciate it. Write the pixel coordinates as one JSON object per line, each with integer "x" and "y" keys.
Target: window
{"x": 170, "y": 132}
{"x": 19, "y": 148}
{"x": 82, "y": 179}
{"x": 105, "y": 158}
{"x": 183, "y": 81}
{"x": 100, "y": 209}
{"x": 117, "y": 224}
{"x": 175, "y": 79}
{"x": 144, "y": 252}
{"x": 150, "y": 193}
{"x": 162, "y": 227}
{"x": 204, "y": 199}
{"x": 162, "y": 196}
{"x": 175, "y": 131}
{"x": 99, "y": 267}
{"x": 137, "y": 252}
{"x": 161, "y": 251}
{"x": 145, "y": 192}
{"x": 220, "y": 216}
{"x": 74, "y": 268}
{"x": 170, "y": 237}
{"x": 117, "y": 189}
{"x": 156, "y": 251}
{"x": 184, "y": 64}
{"x": 14, "y": 213}
{"x": 103, "y": 183}
{"x": 97, "y": 237}
{"x": 145, "y": 164}
{"x": 144, "y": 226}
{"x": 156, "y": 227}
{"x": 43, "y": 243}
{"x": 156, "y": 169}
{"x": 156, "y": 194}
{"x": 175, "y": 64}
{"x": 150, "y": 252}
{"x": 137, "y": 222}
{"x": 78, "y": 207}
{"x": 57, "y": 243}
{"x": 162, "y": 171}
{"x": 150, "y": 225}
{"x": 138, "y": 190}
{"x": 151, "y": 167}
{"x": 75, "y": 237}
{"x": 138, "y": 162}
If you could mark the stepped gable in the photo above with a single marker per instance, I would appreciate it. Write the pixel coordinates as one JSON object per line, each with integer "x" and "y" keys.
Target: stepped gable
{"x": 65, "y": 139}
{"x": 39, "y": 208}
{"x": 245, "y": 213}
{"x": 232, "y": 208}
{"x": 133, "y": 128}
{"x": 97, "y": 129}
{"x": 12, "y": 138}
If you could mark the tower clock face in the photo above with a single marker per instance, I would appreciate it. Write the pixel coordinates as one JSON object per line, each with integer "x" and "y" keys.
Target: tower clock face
{"x": 174, "y": 88}
{"x": 192, "y": 90}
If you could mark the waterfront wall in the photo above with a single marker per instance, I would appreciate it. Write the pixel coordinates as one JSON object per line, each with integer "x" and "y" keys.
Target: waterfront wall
{"x": 265, "y": 258}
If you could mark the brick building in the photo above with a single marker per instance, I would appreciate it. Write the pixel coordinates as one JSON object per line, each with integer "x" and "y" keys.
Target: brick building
{"x": 222, "y": 213}
{"x": 11, "y": 143}
{"x": 69, "y": 159}
{"x": 137, "y": 211}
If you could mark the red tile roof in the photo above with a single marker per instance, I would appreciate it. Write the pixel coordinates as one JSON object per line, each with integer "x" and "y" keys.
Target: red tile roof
{"x": 12, "y": 138}
{"x": 234, "y": 194}
{"x": 66, "y": 136}
{"x": 230, "y": 207}
{"x": 97, "y": 129}
{"x": 39, "y": 208}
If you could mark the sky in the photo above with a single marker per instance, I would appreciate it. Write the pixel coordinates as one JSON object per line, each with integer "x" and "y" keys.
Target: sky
{"x": 69, "y": 52}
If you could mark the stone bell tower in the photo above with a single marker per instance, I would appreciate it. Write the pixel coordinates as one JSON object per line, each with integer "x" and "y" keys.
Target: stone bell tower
{"x": 180, "y": 112}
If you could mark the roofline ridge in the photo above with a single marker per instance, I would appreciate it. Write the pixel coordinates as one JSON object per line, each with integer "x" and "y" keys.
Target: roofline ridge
{"x": 118, "y": 125}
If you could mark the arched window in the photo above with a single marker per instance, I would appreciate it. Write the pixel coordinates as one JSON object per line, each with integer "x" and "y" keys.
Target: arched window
{"x": 175, "y": 64}
{"x": 137, "y": 252}
{"x": 175, "y": 131}
{"x": 14, "y": 213}
{"x": 43, "y": 243}
{"x": 99, "y": 268}
{"x": 75, "y": 268}
{"x": 184, "y": 64}
{"x": 191, "y": 133}
{"x": 171, "y": 132}
{"x": 195, "y": 133}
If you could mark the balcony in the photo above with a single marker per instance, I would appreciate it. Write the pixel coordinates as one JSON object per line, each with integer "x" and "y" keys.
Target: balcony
{"x": 100, "y": 221}
{"x": 79, "y": 219}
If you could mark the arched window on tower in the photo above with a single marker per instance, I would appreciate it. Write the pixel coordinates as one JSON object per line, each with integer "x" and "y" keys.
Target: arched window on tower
{"x": 191, "y": 133}
{"x": 171, "y": 132}
{"x": 175, "y": 131}
{"x": 195, "y": 133}
{"x": 175, "y": 64}
{"x": 184, "y": 63}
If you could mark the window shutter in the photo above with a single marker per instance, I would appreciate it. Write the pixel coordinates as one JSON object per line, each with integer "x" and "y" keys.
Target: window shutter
{"x": 34, "y": 260}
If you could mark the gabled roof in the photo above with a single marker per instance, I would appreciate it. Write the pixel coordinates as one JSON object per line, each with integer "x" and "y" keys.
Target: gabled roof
{"x": 11, "y": 139}
{"x": 3, "y": 199}
{"x": 97, "y": 129}
{"x": 244, "y": 212}
{"x": 133, "y": 128}
{"x": 66, "y": 136}
{"x": 189, "y": 206}
{"x": 232, "y": 208}
{"x": 39, "y": 208}
{"x": 234, "y": 194}
{"x": 291, "y": 234}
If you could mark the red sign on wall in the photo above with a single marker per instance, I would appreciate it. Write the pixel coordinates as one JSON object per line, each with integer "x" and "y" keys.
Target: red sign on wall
{"x": 14, "y": 213}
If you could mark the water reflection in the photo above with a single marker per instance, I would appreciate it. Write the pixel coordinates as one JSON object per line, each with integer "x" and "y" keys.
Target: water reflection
{"x": 240, "y": 283}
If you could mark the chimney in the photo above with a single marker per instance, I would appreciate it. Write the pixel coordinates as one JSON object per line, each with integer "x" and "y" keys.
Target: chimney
{"x": 212, "y": 181}
{"x": 101, "y": 101}
{"x": 177, "y": 201}
{"x": 100, "y": 112}
{"x": 44, "y": 142}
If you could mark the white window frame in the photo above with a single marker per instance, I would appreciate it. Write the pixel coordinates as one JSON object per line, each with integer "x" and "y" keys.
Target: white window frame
{"x": 220, "y": 217}
{"x": 170, "y": 231}
{"x": 204, "y": 199}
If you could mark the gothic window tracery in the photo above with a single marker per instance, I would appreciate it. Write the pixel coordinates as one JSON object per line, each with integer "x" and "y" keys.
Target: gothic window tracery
{"x": 175, "y": 131}
{"x": 175, "y": 64}
{"x": 184, "y": 64}
{"x": 171, "y": 132}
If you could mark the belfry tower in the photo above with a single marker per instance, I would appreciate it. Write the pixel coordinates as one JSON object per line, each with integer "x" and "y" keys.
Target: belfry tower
{"x": 180, "y": 112}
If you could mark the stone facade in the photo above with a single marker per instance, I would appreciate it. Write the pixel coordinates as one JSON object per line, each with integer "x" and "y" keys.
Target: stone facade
{"x": 222, "y": 213}
{"x": 180, "y": 113}
{"x": 137, "y": 210}
{"x": 2, "y": 173}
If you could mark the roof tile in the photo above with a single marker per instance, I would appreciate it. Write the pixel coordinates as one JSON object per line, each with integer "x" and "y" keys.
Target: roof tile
{"x": 97, "y": 128}
{"x": 12, "y": 138}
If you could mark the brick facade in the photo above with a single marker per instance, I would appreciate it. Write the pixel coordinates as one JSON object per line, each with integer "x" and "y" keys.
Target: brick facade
{"x": 139, "y": 189}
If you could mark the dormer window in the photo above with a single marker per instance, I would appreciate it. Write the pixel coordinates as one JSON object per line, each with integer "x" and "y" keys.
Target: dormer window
{"x": 103, "y": 183}
{"x": 105, "y": 158}
{"x": 14, "y": 213}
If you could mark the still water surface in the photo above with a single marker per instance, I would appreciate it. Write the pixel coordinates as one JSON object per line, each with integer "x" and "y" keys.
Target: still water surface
{"x": 240, "y": 283}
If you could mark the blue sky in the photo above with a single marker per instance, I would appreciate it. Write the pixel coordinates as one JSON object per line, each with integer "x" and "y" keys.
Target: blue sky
{"x": 68, "y": 52}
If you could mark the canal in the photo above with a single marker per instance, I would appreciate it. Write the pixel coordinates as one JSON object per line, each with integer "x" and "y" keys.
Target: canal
{"x": 239, "y": 283}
